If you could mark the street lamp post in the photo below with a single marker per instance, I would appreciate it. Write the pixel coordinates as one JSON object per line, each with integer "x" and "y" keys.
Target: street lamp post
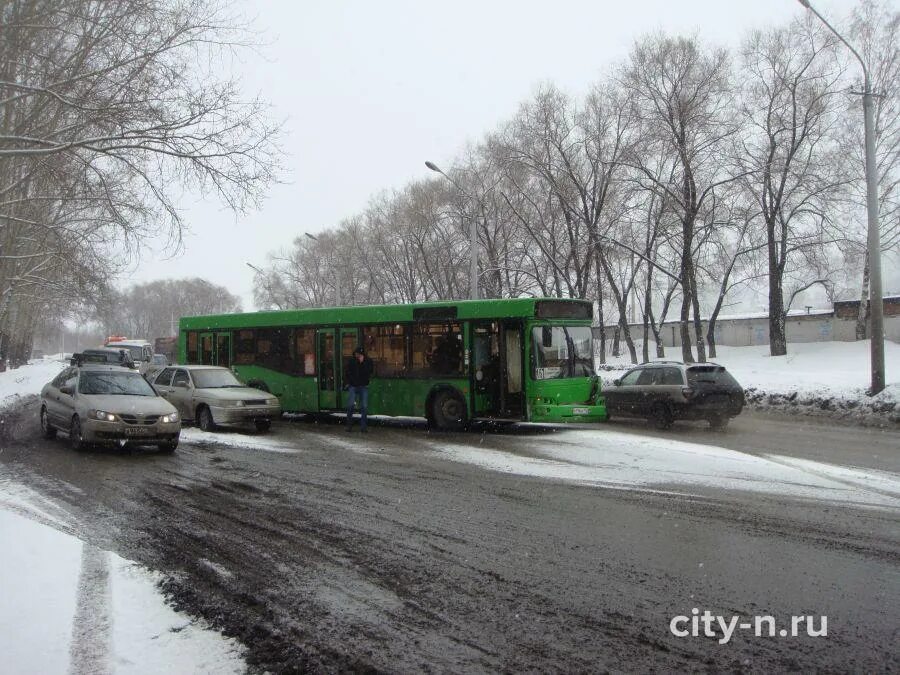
{"x": 473, "y": 235}
{"x": 259, "y": 272}
{"x": 876, "y": 302}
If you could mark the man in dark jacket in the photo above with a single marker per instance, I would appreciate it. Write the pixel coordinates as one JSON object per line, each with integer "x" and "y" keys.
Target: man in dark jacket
{"x": 356, "y": 377}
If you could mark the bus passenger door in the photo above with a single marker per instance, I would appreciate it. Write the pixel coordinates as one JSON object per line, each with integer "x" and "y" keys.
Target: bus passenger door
{"x": 223, "y": 349}
{"x": 207, "y": 349}
{"x": 349, "y": 342}
{"x": 326, "y": 357}
{"x": 512, "y": 392}
{"x": 486, "y": 353}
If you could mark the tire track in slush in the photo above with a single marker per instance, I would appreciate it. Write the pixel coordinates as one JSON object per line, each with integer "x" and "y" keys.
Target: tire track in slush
{"x": 89, "y": 650}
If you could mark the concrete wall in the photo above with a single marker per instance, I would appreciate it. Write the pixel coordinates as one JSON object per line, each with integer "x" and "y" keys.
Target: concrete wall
{"x": 755, "y": 331}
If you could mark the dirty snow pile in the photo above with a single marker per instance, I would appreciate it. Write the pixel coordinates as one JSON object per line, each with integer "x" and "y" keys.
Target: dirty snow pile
{"x": 819, "y": 378}
{"x": 27, "y": 380}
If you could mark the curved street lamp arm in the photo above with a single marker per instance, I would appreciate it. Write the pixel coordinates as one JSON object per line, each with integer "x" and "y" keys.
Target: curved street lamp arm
{"x": 840, "y": 37}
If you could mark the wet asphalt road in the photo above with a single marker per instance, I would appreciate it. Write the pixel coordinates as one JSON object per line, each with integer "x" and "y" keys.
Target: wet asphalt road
{"x": 349, "y": 552}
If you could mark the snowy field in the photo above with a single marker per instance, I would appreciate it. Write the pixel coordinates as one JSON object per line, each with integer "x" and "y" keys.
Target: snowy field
{"x": 70, "y": 607}
{"x": 828, "y": 378}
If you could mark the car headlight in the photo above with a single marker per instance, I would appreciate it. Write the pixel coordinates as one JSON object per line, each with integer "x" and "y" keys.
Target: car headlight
{"x": 169, "y": 419}
{"x": 237, "y": 404}
{"x": 272, "y": 401}
{"x": 102, "y": 415}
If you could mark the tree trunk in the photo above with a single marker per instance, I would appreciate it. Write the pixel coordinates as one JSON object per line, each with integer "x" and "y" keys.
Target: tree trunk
{"x": 645, "y": 348}
{"x": 601, "y": 321}
{"x": 687, "y": 291}
{"x": 687, "y": 354}
{"x": 698, "y": 325}
{"x": 711, "y": 337}
{"x": 658, "y": 326}
{"x": 777, "y": 338}
{"x": 622, "y": 304}
{"x": 626, "y": 333}
{"x": 711, "y": 328}
{"x": 862, "y": 317}
{"x": 648, "y": 313}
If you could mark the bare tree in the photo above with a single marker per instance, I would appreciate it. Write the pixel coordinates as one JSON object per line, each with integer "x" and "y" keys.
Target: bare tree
{"x": 109, "y": 109}
{"x": 683, "y": 92}
{"x": 152, "y": 309}
{"x": 791, "y": 78}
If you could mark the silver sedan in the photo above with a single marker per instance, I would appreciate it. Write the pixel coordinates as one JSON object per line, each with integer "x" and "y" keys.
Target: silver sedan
{"x": 107, "y": 404}
{"x": 213, "y": 396}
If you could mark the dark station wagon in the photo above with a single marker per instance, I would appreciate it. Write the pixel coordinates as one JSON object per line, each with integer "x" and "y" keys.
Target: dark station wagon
{"x": 665, "y": 391}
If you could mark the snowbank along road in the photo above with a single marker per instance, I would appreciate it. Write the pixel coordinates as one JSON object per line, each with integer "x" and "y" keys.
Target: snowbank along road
{"x": 527, "y": 548}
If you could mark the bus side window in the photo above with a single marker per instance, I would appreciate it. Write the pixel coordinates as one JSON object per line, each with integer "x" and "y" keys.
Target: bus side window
{"x": 386, "y": 346}
{"x": 437, "y": 349}
{"x": 305, "y": 346}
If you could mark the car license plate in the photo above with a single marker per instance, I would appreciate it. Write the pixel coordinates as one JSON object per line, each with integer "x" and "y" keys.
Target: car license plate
{"x": 138, "y": 431}
{"x": 581, "y": 411}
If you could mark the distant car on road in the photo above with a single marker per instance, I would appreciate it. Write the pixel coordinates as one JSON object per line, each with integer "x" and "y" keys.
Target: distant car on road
{"x": 96, "y": 403}
{"x": 665, "y": 391}
{"x": 212, "y": 395}
{"x": 140, "y": 350}
{"x": 103, "y": 355}
{"x": 156, "y": 364}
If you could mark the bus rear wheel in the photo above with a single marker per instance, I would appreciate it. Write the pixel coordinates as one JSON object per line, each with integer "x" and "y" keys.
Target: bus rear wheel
{"x": 448, "y": 411}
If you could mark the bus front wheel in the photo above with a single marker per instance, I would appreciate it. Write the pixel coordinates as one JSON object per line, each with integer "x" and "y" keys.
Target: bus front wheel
{"x": 448, "y": 410}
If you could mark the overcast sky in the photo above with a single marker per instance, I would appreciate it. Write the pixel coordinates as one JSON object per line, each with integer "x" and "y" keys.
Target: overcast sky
{"x": 371, "y": 89}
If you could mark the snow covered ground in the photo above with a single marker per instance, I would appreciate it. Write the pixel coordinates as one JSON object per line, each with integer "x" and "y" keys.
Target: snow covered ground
{"x": 828, "y": 378}
{"x": 611, "y": 459}
{"x": 69, "y": 607}
{"x": 28, "y": 380}
{"x": 607, "y": 458}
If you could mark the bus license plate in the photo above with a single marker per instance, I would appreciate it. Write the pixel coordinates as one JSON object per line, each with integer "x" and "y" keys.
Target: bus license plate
{"x": 581, "y": 411}
{"x": 137, "y": 431}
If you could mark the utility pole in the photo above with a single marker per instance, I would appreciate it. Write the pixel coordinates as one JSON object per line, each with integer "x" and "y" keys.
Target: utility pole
{"x": 473, "y": 234}
{"x": 876, "y": 301}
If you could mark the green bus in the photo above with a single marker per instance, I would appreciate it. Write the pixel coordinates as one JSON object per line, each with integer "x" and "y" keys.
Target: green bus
{"x": 522, "y": 359}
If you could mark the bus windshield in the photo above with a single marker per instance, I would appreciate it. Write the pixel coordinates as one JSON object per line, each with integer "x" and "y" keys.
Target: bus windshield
{"x": 562, "y": 351}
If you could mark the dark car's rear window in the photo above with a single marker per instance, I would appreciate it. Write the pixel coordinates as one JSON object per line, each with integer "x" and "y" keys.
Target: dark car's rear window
{"x": 710, "y": 375}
